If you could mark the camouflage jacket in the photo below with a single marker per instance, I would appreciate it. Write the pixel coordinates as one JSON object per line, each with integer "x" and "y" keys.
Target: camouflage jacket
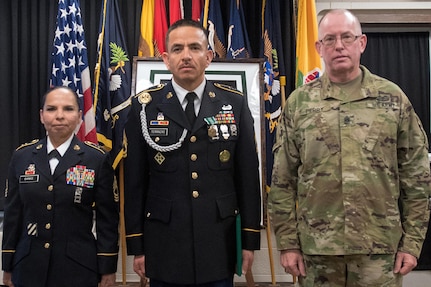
{"x": 350, "y": 177}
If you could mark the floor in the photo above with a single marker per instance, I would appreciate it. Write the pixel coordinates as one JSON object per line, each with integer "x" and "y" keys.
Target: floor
{"x": 257, "y": 284}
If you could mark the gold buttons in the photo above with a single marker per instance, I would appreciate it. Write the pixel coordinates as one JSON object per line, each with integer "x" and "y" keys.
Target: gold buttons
{"x": 156, "y": 139}
{"x": 193, "y": 139}
{"x": 195, "y": 194}
{"x": 48, "y": 226}
{"x": 48, "y": 206}
{"x": 195, "y": 175}
{"x": 50, "y": 187}
{"x": 148, "y": 214}
{"x": 47, "y": 245}
{"x": 193, "y": 157}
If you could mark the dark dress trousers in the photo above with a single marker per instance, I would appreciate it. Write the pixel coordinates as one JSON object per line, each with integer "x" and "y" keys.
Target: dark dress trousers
{"x": 183, "y": 193}
{"x": 47, "y": 238}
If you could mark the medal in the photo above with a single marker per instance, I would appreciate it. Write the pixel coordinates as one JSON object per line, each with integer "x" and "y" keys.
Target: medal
{"x": 224, "y": 131}
{"x": 213, "y": 132}
{"x": 233, "y": 130}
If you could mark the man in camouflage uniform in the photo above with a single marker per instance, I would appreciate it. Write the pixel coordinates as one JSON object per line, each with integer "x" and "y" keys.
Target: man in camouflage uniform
{"x": 351, "y": 178}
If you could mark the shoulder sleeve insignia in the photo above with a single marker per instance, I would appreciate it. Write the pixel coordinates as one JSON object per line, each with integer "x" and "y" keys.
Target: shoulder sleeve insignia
{"x": 28, "y": 144}
{"x": 90, "y": 144}
{"x": 227, "y": 88}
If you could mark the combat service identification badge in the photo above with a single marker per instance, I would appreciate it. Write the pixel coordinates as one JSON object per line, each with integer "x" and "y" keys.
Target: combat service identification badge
{"x": 224, "y": 156}
{"x": 144, "y": 98}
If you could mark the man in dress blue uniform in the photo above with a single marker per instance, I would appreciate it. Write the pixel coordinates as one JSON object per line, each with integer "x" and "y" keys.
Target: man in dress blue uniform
{"x": 187, "y": 179}
{"x": 50, "y": 202}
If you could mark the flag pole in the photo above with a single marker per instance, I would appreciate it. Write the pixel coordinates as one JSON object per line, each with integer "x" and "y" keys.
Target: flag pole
{"x": 205, "y": 20}
{"x": 283, "y": 103}
{"x": 99, "y": 59}
{"x": 283, "y": 91}
{"x": 122, "y": 223}
{"x": 271, "y": 258}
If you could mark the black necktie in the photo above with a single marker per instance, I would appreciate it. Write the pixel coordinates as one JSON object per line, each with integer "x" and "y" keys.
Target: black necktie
{"x": 190, "y": 108}
{"x": 54, "y": 154}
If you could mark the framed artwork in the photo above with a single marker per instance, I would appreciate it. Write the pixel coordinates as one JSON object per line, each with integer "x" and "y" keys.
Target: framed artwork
{"x": 246, "y": 75}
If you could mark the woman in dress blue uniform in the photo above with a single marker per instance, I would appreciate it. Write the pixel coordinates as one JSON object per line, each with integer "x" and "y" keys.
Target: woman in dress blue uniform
{"x": 187, "y": 179}
{"x": 50, "y": 203}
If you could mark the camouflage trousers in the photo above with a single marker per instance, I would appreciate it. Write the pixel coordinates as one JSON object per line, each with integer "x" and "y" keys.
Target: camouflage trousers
{"x": 350, "y": 271}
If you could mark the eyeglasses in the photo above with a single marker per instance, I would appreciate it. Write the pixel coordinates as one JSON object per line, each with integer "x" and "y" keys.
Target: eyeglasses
{"x": 346, "y": 39}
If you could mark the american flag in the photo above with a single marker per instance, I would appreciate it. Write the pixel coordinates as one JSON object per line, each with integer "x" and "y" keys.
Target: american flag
{"x": 70, "y": 64}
